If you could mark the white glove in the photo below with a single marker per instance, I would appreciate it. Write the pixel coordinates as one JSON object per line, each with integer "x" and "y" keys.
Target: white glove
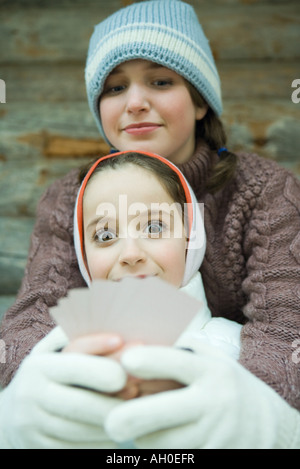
{"x": 223, "y": 406}
{"x": 45, "y": 405}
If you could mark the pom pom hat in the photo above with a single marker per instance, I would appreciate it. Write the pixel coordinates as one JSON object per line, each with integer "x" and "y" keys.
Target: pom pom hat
{"x": 166, "y": 32}
{"x": 196, "y": 233}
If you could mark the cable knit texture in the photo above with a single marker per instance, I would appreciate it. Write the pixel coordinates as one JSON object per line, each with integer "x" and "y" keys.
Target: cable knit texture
{"x": 251, "y": 271}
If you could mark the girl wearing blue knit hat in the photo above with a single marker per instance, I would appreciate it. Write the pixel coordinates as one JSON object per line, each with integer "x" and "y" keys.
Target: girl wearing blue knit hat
{"x": 152, "y": 85}
{"x": 155, "y": 54}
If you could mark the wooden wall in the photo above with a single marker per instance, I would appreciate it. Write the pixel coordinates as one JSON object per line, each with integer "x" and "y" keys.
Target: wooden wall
{"x": 46, "y": 127}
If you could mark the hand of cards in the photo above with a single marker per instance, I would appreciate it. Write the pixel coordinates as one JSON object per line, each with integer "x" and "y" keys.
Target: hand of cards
{"x": 147, "y": 310}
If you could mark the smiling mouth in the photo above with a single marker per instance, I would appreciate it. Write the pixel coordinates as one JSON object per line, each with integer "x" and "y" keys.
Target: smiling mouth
{"x": 142, "y": 276}
{"x": 141, "y": 128}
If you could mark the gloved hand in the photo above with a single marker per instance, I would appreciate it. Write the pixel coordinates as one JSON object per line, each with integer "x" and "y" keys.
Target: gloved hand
{"x": 45, "y": 405}
{"x": 223, "y": 406}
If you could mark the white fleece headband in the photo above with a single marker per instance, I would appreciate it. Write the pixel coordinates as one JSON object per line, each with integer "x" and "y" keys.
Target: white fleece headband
{"x": 197, "y": 239}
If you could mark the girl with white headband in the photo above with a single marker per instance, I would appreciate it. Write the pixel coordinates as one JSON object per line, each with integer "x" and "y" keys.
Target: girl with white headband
{"x": 160, "y": 247}
{"x": 152, "y": 85}
{"x": 165, "y": 174}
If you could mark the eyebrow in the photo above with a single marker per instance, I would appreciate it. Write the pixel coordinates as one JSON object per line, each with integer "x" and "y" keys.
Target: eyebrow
{"x": 96, "y": 220}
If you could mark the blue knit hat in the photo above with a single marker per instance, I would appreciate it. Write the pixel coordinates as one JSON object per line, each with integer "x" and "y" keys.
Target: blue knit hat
{"x": 161, "y": 31}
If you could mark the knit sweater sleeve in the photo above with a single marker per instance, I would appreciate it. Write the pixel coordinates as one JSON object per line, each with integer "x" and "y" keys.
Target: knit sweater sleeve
{"x": 272, "y": 246}
{"x": 50, "y": 272}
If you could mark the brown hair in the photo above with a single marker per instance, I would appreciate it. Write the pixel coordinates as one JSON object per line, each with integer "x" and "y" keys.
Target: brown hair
{"x": 211, "y": 130}
{"x": 168, "y": 178}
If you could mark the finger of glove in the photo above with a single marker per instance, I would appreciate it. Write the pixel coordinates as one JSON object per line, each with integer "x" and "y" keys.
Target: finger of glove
{"x": 38, "y": 439}
{"x": 45, "y": 442}
{"x": 154, "y": 362}
{"x": 55, "y": 340}
{"x": 76, "y": 405}
{"x": 138, "y": 417}
{"x": 187, "y": 436}
{"x": 207, "y": 432}
{"x": 97, "y": 373}
{"x": 62, "y": 432}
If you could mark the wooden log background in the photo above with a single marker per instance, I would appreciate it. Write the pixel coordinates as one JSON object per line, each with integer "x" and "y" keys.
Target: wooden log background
{"x": 46, "y": 127}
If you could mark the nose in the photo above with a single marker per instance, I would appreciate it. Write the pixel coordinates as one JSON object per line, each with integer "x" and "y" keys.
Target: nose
{"x": 137, "y": 100}
{"x": 132, "y": 253}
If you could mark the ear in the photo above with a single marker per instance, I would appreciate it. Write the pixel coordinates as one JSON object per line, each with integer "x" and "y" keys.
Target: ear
{"x": 201, "y": 111}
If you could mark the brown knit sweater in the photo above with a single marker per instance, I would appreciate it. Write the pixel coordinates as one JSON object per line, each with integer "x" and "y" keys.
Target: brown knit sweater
{"x": 251, "y": 271}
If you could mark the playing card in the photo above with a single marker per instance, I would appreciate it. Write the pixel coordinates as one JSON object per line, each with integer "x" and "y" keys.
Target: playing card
{"x": 147, "y": 310}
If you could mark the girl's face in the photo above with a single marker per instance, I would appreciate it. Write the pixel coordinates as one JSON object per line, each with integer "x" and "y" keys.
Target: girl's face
{"x": 132, "y": 234}
{"x": 145, "y": 106}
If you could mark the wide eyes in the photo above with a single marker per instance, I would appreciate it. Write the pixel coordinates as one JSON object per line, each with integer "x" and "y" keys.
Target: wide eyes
{"x": 152, "y": 229}
{"x": 105, "y": 236}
